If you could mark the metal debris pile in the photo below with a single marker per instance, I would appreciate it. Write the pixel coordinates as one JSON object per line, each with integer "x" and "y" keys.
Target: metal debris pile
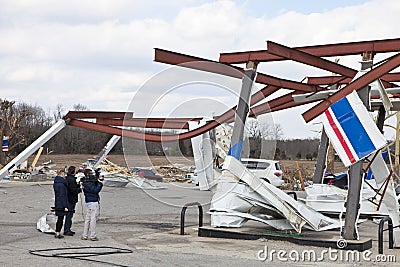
{"x": 41, "y": 172}
{"x": 175, "y": 172}
{"x": 111, "y": 167}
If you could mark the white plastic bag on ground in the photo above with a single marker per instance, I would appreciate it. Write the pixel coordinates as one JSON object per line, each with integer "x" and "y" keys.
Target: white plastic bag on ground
{"x": 43, "y": 224}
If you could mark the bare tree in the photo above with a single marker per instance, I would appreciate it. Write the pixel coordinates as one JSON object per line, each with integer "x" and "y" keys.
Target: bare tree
{"x": 259, "y": 133}
{"x": 80, "y": 107}
{"x": 59, "y": 112}
{"x": 257, "y": 130}
{"x": 13, "y": 120}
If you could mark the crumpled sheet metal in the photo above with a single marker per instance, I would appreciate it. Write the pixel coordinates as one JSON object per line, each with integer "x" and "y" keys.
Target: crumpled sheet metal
{"x": 227, "y": 199}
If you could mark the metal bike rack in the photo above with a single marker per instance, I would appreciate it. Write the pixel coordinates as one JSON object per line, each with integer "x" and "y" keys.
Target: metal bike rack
{"x": 183, "y": 211}
{"x": 380, "y": 233}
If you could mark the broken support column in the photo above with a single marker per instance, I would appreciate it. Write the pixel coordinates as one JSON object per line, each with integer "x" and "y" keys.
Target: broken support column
{"x": 355, "y": 172}
{"x": 242, "y": 110}
{"x": 321, "y": 158}
{"x": 224, "y": 199}
{"x": 353, "y": 201}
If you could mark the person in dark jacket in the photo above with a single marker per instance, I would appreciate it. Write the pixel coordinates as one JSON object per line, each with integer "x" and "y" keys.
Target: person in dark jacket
{"x": 73, "y": 193}
{"x": 60, "y": 187}
{"x": 91, "y": 190}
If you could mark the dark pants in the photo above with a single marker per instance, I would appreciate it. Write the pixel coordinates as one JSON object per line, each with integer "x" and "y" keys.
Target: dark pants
{"x": 68, "y": 217}
{"x": 59, "y": 223}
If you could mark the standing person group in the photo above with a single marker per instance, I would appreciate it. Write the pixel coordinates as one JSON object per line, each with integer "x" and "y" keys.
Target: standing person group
{"x": 66, "y": 192}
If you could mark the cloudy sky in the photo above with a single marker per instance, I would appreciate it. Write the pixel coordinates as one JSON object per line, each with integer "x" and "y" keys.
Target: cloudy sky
{"x": 100, "y": 53}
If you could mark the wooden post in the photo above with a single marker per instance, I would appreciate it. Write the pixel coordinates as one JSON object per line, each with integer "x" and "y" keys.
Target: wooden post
{"x": 35, "y": 160}
{"x": 300, "y": 176}
{"x": 330, "y": 161}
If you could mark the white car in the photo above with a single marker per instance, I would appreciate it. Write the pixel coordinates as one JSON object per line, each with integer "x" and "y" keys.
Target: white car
{"x": 267, "y": 170}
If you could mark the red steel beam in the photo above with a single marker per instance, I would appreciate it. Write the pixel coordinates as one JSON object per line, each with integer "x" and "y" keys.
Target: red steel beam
{"x": 228, "y": 115}
{"x": 302, "y": 57}
{"x": 280, "y": 103}
{"x": 326, "y": 80}
{"x": 357, "y": 84}
{"x": 287, "y": 84}
{"x": 263, "y": 93}
{"x": 262, "y": 108}
{"x": 290, "y": 104}
{"x": 87, "y": 114}
{"x": 162, "y": 123}
{"x": 187, "y": 61}
{"x": 174, "y": 58}
{"x": 392, "y": 77}
{"x": 329, "y": 50}
{"x": 96, "y": 127}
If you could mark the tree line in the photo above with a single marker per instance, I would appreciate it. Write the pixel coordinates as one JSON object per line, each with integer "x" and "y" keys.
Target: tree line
{"x": 23, "y": 123}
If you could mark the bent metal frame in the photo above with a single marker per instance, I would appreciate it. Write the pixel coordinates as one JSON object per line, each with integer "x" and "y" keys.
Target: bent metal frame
{"x": 316, "y": 56}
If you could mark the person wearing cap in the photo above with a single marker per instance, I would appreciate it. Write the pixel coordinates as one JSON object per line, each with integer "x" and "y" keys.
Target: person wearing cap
{"x": 73, "y": 192}
{"x": 91, "y": 189}
{"x": 60, "y": 187}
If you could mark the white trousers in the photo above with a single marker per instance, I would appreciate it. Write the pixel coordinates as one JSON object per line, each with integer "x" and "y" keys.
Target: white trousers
{"x": 92, "y": 213}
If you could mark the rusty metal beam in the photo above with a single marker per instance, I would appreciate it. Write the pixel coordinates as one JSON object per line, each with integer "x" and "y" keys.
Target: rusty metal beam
{"x": 263, "y": 93}
{"x": 173, "y": 58}
{"x": 329, "y": 50}
{"x": 86, "y": 114}
{"x": 357, "y": 84}
{"x": 279, "y": 103}
{"x": 303, "y": 57}
{"x": 392, "y": 77}
{"x": 290, "y": 104}
{"x": 187, "y": 61}
{"x": 265, "y": 107}
{"x": 161, "y": 123}
{"x": 287, "y": 84}
{"x": 327, "y": 80}
{"x": 227, "y": 116}
{"x": 95, "y": 127}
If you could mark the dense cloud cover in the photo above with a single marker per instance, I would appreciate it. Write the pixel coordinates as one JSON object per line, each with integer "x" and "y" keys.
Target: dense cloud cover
{"x": 99, "y": 53}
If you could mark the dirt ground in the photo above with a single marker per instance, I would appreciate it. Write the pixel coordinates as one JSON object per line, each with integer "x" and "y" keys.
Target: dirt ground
{"x": 294, "y": 171}
{"x": 141, "y": 161}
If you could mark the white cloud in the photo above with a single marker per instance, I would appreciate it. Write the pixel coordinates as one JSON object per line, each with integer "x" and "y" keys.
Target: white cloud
{"x": 99, "y": 53}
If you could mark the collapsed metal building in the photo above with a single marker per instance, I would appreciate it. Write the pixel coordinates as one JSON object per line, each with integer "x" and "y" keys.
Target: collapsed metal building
{"x": 324, "y": 91}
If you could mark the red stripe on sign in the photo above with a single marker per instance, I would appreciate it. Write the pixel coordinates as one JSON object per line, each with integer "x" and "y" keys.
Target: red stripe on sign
{"x": 339, "y": 136}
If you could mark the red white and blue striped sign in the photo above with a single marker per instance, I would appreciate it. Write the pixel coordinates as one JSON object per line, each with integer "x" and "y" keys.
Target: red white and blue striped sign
{"x": 351, "y": 129}
{"x": 5, "y": 144}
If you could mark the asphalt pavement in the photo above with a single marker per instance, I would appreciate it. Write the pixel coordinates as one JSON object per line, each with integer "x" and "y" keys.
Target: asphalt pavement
{"x": 142, "y": 226}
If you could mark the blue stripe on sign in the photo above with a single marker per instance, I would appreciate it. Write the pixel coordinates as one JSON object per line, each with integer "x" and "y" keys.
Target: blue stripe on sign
{"x": 236, "y": 150}
{"x": 353, "y": 128}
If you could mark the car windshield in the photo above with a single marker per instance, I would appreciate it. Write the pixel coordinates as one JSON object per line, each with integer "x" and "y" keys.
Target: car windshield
{"x": 254, "y": 165}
